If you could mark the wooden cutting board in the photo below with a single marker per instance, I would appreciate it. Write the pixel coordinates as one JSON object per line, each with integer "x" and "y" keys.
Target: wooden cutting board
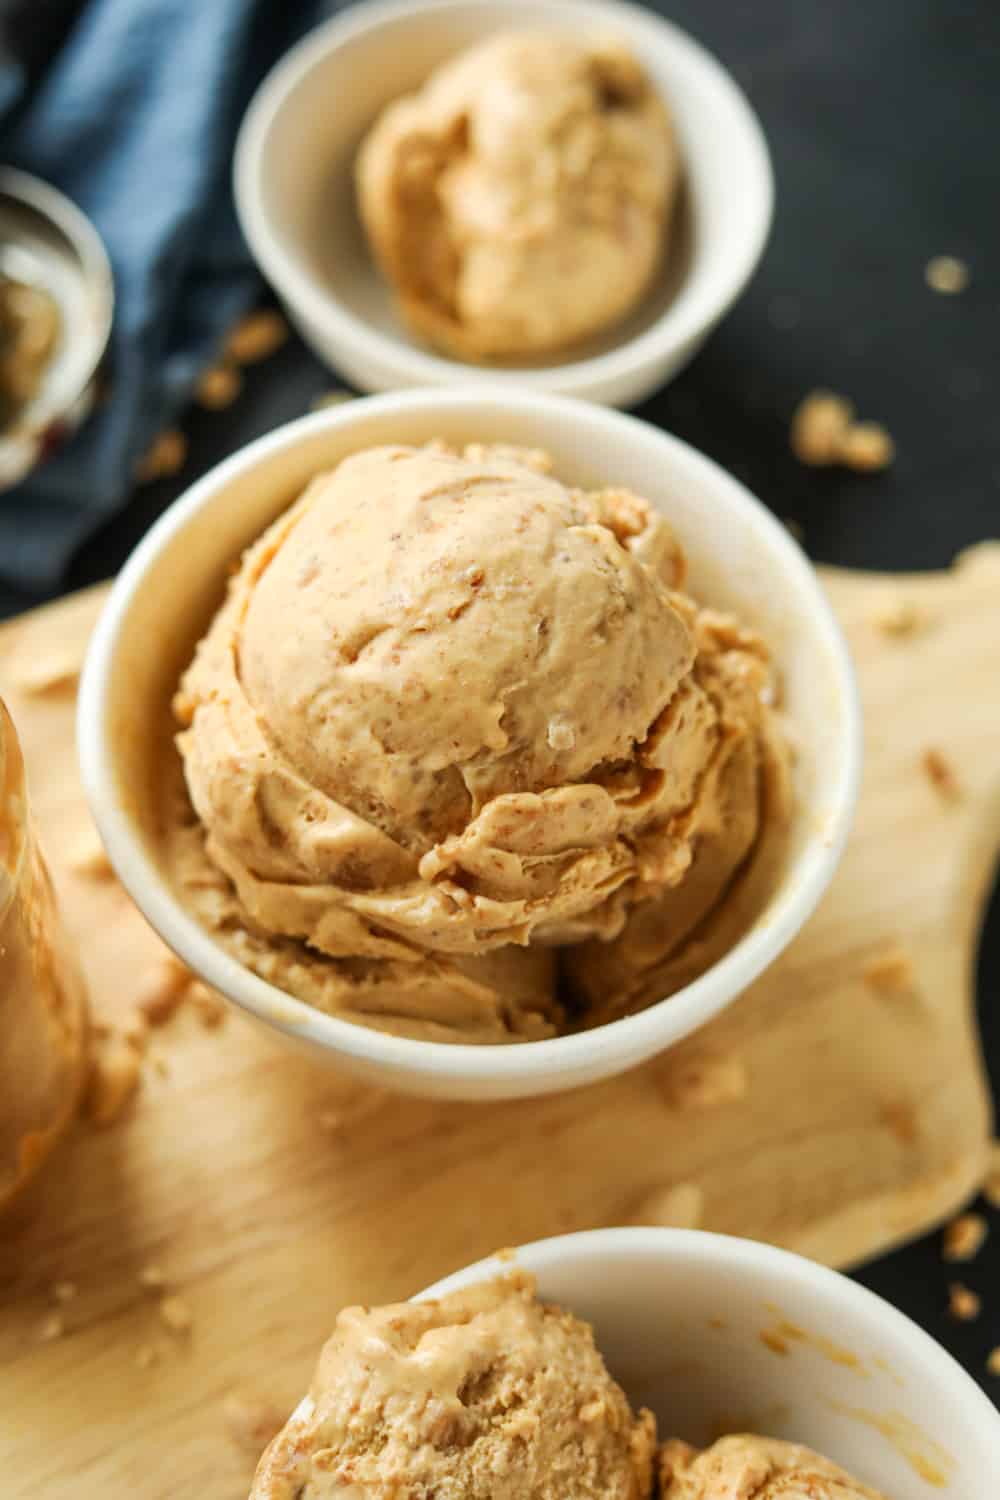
{"x": 822, "y": 1112}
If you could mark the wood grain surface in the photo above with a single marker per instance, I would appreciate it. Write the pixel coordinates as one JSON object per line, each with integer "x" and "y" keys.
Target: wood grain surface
{"x": 837, "y": 1108}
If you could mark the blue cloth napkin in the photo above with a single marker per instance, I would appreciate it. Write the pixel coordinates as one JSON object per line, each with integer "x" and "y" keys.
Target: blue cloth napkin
{"x": 134, "y": 118}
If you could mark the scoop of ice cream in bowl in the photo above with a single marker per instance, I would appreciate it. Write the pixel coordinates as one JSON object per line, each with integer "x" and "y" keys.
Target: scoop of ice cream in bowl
{"x": 567, "y": 194}
{"x": 520, "y": 741}
{"x": 633, "y": 1363}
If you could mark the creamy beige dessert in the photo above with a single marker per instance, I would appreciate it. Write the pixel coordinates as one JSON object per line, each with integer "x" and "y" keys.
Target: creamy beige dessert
{"x": 490, "y": 1394}
{"x": 521, "y": 200}
{"x": 461, "y": 760}
{"x": 42, "y": 1004}
{"x": 487, "y": 1394}
{"x": 746, "y": 1467}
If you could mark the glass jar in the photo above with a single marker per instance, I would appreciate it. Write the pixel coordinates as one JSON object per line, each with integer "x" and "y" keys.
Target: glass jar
{"x": 43, "y": 1026}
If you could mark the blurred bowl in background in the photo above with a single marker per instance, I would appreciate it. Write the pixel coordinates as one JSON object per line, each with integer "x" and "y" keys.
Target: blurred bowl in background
{"x": 47, "y": 244}
{"x": 294, "y": 184}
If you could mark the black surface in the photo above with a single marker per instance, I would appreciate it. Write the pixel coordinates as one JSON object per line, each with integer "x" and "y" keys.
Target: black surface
{"x": 883, "y": 121}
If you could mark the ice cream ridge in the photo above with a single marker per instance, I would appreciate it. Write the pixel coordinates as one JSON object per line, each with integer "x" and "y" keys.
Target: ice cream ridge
{"x": 464, "y": 762}
{"x": 491, "y": 1394}
{"x": 521, "y": 200}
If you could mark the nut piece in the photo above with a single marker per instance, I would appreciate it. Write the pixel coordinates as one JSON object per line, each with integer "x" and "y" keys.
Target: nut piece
{"x": 162, "y": 988}
{"x": 210, "y": 1007}
{"x": 818, "y": 428}
{"x": 51, "y": 1327}
{"x": 256, "y": 336}
{"x": 705, "y": 1081}
{"x": 677, "y": 1206}
{"x": 252, "y": 1420}
{"x": 87, "y": 856}
{"x": 964, "y": 1237}
{"x": 165, "y": 456}
{"x": 942, "y": 776}
{"x": 946, "y": 274}
{"x": 867, "y": 447}
{"x": 890, "y": 971}
{"x": 114, "y": 1078}
{"x": 898, "y": 617}
{"x": 218, "y": 387}
{"x": 176, "y": 1315}
{"x": 963, "y": 1303}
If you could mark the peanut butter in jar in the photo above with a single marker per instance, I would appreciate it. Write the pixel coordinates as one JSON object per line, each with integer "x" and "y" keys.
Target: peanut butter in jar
{"x": 43, "y": 1026}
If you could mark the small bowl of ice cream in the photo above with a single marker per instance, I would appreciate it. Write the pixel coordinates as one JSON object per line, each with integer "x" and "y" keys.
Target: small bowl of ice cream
{"x": 633, "y": 1363}
{"x": 567, "y": 194}
{"x": 453, "y": 733}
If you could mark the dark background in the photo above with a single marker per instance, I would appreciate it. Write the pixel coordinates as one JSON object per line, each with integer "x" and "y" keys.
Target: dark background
{"x": 883, "y": 118}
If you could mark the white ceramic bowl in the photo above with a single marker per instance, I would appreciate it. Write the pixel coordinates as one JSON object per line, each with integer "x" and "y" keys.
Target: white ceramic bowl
{"x": 679, "y": 1316}
{"x": 740, "y": 557}
{"x": 295, "y": 195}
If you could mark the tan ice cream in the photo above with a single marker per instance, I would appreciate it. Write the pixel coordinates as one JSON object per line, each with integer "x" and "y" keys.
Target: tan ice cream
{"x": 487, "y": 1394}
{"x": 745, "y": 1467}
{"x": 453, "y": 716}
{"x": 43, "y": 1023}
{"x": 520, "y": 200}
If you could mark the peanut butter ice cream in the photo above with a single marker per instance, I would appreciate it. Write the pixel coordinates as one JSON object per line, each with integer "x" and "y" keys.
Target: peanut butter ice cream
{"x": 487, "y": 1394}
{"x": 456, "y": 737}
{"x": 520, "y": 201}
{"x": 745, "y": 1467}
{"x": 43, "y": 1026}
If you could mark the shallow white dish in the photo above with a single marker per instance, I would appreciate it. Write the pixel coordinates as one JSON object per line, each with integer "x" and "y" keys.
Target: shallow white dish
{"x": 740, "y": 557}
{"x": 295, "y": 196}
{"x": 679, "y": 1316}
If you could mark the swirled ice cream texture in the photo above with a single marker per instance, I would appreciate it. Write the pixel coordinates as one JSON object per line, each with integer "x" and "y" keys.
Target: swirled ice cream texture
{"x": 521, "y": 199}
{"x": 456, "y": 719}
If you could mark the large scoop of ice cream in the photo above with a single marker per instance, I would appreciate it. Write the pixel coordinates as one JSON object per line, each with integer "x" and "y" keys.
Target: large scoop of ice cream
{"x": 446, "y": 705}
{"x": 520, "y": 200}
{"x": 485, "y": 1395}
{"x": 745, "y": 1467}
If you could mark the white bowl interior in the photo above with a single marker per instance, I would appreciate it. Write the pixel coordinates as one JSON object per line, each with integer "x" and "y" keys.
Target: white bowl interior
{"x": 296, "y": 188}
{"x": 741, "y": 558}
{"x": 692, "y": 1324}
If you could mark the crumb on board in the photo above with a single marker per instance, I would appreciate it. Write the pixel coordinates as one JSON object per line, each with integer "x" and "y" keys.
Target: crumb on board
{"x": 114, "y": 1079}
{"x": 896, "y": 616}
{"x": 963, "y": 1304}
{"x": 824, "y": 432}
{"x": 62, "y": 1292}
{"x": 679, "y": 1205}
{"x": 175, "y": 1314}
{"x": 161, "y": 990}
{"x": 890, "y": 971}
{"x": 48, "y": 672}
{"x": 151, "y": 1277}
{"x": 946, "y": 274}
{"x": 964, "y": 1237}
{"x": 51, "y": 1327}
{"x": 705, "y": 1081}
{"x": 165, "y": 455}
{"x": 218, "y": 387}
{"x": 209, "y": 1007}
{"x": 257, "y": 336}
{"x": 252, "y": 1420}
{"x": 941, "y": 774}
{"x": 87, "y": 856}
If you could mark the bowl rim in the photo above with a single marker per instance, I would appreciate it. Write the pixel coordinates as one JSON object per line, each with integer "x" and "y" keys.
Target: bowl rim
{"x": 95, "y": 267}
{"x": 732, "y": 1255}
{"x": 678, "y": 326}
{"x": 555, "y": 1058}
